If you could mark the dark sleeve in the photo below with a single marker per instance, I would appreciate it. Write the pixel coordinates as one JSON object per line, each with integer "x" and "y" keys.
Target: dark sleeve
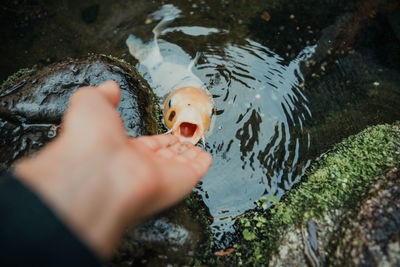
{"x": 32, "y": 235}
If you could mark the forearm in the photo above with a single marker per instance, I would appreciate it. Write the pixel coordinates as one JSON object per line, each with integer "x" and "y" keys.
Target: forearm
{"x": 79, "y": 192}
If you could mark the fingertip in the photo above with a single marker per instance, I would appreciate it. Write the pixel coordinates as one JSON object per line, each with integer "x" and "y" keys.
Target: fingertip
{"x": 202, "y": 163}
{"x": 109, "y": 84}
{"x": 158, "y": 141}
{"x": 192, "y": 152}
{"x": 207, "y": 159}
{"x": 111, "y": 90}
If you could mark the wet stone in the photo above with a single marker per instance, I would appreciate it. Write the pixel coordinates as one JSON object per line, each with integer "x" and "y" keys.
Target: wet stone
{"x": 369, "y": 235}
{"x": 169, "y": 239}
{"x": 33, "y": 104}
{"x": 374, "y": 234}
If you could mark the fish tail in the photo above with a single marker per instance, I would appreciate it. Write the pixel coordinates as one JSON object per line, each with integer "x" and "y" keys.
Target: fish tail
{"x": 167, "y": 14}
{"x": 150, "y": 52}
{"x": 147, "y": 53}
{"x": 194, "y": 61}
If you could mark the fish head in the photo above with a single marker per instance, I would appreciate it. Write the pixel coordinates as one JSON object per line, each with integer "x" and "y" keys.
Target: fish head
{"x": 188, "y": 112}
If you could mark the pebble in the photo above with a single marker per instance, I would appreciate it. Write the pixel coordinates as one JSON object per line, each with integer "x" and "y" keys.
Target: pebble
{"x": 52, "y": 131}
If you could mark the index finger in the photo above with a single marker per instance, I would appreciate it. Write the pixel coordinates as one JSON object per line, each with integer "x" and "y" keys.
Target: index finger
{"x": 155, "y": 142}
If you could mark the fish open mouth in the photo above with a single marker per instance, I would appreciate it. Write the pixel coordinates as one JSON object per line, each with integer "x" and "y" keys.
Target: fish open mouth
{"x": 187, "y": 129}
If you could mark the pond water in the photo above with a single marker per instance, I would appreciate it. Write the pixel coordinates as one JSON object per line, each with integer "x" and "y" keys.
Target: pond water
{"x": 260, "y": 107}
{"x": 289, "y": 79}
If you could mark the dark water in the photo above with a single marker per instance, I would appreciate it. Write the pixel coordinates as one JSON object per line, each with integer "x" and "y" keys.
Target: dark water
{"x": 289, "y": 78}
{"x": 255, "y": 148}
{"x": 259, "y": 107}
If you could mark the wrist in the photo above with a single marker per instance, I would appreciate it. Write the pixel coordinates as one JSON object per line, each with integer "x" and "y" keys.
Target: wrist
{"x": 77, "y": 191}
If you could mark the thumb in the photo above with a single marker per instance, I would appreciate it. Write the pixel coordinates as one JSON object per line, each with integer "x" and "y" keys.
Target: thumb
{"x": 111, "y": 91}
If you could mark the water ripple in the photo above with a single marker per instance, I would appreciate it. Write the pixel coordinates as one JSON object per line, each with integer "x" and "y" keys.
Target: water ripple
{"x": 259, "y": 134}
{"x": 257, "y": 142}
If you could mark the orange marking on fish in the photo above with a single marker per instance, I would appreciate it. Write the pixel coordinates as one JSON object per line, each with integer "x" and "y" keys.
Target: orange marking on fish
{"x": 188, "y": 112}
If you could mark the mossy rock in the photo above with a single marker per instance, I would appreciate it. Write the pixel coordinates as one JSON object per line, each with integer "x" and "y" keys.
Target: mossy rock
{"x": 335, "y": 184}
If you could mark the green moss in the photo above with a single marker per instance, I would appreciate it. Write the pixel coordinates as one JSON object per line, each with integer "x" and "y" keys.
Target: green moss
{"x": 157, "y": 113}
{"x": 342, "y": 176}
{"x": 12, "y": 78}
{"x": 205, "y": 252}
{"x": 339, "y": 179}
{"x": 120, "y": 60}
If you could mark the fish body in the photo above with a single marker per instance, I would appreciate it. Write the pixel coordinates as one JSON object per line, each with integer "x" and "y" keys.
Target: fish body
{"x": 188, "y": 109}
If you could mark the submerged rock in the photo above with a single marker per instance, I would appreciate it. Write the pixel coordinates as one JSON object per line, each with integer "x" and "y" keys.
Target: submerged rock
{"x": 168, "y": 240}
{"x": 33, "y": 102}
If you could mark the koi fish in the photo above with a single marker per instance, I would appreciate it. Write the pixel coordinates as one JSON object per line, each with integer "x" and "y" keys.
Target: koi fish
{"x": 188, "y": 109}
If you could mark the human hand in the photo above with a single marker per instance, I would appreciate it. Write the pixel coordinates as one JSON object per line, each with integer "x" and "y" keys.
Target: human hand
{"x": 98, "y": 180}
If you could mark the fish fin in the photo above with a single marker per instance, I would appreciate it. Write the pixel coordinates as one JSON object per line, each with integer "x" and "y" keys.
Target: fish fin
{"x": 194, "y": 61}
{"x": 203, "y": 141}
{"x": 137, "y": 48}
{"x": 147, "y": 53}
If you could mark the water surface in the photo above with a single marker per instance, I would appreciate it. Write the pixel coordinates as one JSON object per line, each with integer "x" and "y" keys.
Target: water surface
{"x": 285, "y": 88}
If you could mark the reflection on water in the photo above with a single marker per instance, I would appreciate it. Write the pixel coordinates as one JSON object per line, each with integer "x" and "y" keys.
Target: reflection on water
{"x": 254, "y": 144}
{"x": 257, "y": 141}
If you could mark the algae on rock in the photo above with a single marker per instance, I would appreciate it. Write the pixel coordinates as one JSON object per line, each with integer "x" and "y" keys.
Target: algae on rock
{"x": 12, "y": 78}
{"x": 339, "y": 180}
